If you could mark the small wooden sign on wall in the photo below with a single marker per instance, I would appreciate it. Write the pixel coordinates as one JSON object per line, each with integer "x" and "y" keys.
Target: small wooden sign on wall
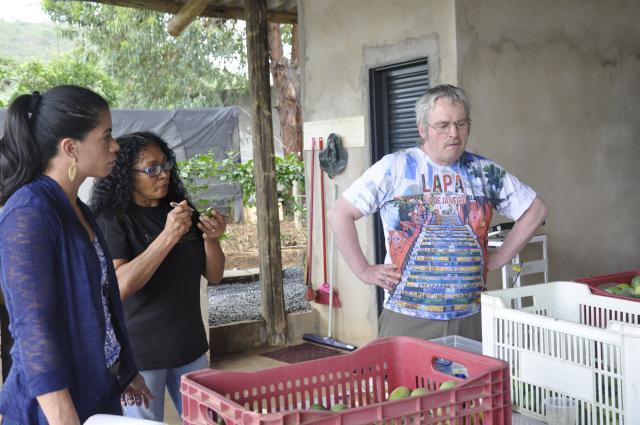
{"x": 350, "y": 129}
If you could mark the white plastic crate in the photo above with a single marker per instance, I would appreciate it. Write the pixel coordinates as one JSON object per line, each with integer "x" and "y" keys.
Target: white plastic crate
{"x": 565, "y": 341}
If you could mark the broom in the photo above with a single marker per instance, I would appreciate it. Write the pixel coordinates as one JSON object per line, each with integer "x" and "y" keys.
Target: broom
{"x": 325, "y": 293}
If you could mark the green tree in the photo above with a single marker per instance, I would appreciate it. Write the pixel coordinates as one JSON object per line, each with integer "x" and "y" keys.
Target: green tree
{"x": 286, "y": 83}
{"x": 205, "y": 66}
{"x": 198, "y": 169}
{"x": 68, "y": 69}
{"x": 7, "y": 66}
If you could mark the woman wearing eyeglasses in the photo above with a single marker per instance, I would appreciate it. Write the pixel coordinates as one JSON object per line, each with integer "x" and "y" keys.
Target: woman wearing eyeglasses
{"x": 160, "y": 252}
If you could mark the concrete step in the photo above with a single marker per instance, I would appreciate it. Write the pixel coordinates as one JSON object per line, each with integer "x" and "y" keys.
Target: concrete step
{"x": 239, "y": 337}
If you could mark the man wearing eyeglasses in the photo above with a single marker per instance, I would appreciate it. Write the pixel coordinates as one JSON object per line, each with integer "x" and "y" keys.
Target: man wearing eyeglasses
{"x": 435, "y": 201}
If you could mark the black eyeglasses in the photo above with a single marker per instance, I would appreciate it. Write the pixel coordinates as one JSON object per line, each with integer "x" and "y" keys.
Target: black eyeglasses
{"x": 156, "y": 170}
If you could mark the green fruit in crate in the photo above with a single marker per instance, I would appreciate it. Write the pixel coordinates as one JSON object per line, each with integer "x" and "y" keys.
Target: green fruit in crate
{"x": 628, "y": 292}
{"x": 636, "y": 292}
{"x": 635, "y": 282}
{"x": 317, "y": 406}
{"x": 400, "y": 393}
{"x": 419, "y": 391}
{"x": 339, "y": 407}
{"x": 623, "y": 286}
{"x": 447, "y": 385}
{"x": 610, "y": 290}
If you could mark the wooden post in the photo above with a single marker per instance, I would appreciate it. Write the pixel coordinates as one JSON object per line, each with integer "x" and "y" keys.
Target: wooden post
{"x": 265, "y": 173}
{"x": 186, "y": 15}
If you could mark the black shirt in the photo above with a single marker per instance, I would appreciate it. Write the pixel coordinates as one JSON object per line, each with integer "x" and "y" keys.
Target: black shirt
{"x": 163, "y": 318}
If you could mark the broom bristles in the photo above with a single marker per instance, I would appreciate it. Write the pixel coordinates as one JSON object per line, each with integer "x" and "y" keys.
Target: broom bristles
{"x": 310, "y": 295}
{"x": 322, "y": 296}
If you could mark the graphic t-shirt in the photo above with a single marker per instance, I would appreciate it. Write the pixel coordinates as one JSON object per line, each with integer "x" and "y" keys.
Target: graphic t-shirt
{"x": 436, "y": 220}
{"x": 163, "y": 318}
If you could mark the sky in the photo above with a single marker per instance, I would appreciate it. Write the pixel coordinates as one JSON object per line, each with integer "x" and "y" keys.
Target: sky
{"x": 22, "y": 10}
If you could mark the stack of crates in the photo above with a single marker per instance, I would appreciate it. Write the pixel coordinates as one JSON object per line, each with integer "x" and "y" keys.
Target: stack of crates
{"x": 363, "y": 381}
{"x": 561, "y": 340}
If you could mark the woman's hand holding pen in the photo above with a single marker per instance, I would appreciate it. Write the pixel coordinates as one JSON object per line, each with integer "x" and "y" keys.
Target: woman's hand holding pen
{"x": 178, "y": 220}
{"x": 212, "y": 227}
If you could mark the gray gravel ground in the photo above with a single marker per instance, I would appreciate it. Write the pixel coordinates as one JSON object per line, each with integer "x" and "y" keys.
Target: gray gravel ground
{"x": 235, "y": 302}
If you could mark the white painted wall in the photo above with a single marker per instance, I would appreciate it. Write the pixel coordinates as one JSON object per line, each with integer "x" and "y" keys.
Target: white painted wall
{"x": 555, "y": 89}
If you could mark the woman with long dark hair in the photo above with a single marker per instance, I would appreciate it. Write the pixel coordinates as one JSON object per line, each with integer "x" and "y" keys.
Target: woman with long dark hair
{"x": 71, "y": 356}
{"x": 161, "y": 247}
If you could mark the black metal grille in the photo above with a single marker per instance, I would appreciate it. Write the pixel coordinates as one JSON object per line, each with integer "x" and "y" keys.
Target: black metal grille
{"x": 395, "y": 90}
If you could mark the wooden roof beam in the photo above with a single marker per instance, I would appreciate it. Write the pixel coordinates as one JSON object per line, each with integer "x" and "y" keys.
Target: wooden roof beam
{"x": 189, "y": 13}
{"x": 225, "y": 12}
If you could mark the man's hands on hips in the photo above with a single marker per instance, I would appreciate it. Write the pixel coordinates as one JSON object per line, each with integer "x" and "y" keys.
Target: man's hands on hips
{"x": 385, "y": 276}
{"x": 342, "y": 217}
{"x": 495, "y": 261}
{"x": 519, "y": 236}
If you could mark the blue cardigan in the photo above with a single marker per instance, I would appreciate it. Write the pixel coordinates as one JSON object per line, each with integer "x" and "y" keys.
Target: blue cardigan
{"x": 50, "y": 277}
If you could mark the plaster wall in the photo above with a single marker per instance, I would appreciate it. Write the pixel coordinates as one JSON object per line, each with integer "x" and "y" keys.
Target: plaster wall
{"x": 340, "y": 41}
{"x": 554, "y": 88}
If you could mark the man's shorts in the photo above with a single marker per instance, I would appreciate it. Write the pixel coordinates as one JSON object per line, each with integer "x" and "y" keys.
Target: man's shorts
{"x": 391, "y": 323}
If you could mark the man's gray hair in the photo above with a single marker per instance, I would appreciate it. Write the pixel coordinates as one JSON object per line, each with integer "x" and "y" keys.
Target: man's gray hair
{"x": 447, "y": 91}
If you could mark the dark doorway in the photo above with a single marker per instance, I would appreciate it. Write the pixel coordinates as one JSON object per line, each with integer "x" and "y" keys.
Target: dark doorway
{"x": 393, "y": 91}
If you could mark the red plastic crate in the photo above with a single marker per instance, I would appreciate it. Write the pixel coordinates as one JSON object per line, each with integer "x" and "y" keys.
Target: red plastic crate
{"x": 362, "y": 380}
{"x": 597, "y": 282}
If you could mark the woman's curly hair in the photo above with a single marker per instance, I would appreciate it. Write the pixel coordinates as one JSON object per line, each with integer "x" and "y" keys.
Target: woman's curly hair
{"x": 113, "y": 194}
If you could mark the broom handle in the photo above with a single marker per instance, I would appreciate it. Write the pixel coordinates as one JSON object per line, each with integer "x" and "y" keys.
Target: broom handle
{"x": 310, "y": 243}
{"x": 324, "y": 240}
{"x": 331, "y": 267}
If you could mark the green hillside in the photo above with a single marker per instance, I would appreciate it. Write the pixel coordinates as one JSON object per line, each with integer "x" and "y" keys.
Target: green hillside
{"x": 26, "y": 41}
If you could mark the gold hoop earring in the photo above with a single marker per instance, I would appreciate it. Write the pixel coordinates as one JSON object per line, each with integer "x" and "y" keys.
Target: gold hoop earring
{"x": 73, "y": 170}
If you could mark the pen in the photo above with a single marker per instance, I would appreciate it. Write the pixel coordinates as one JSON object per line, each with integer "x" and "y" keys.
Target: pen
{"x": 206, "y": 213}
{"x": 175, "y": 204}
